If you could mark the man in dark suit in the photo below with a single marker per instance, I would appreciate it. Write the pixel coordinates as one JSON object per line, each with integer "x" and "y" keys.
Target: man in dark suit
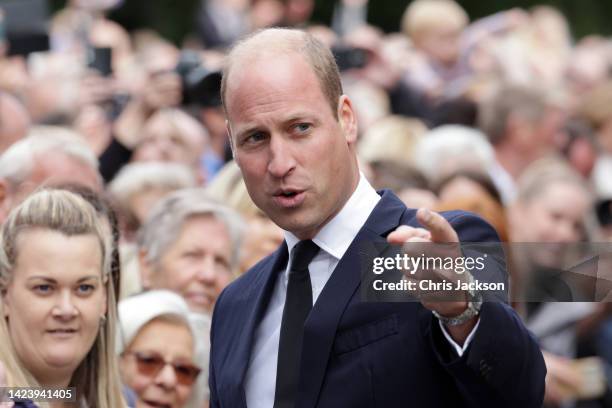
{"x": 294, "y": 330}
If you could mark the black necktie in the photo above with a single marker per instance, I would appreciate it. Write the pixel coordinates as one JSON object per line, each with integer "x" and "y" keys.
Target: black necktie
{"x": 297, "y": 306}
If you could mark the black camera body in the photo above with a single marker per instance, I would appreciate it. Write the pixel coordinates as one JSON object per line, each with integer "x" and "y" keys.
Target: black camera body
{"x": 350, "y": 57}
{"x": 201, "y": 86}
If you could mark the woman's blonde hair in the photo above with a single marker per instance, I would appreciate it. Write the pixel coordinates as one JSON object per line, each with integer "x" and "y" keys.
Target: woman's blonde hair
{"x": 228, "y": 187}
{"x": 96, "y": 378}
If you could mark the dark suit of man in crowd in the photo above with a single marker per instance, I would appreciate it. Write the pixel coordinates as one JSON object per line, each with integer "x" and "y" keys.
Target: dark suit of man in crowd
{"x": 294, "y": 330}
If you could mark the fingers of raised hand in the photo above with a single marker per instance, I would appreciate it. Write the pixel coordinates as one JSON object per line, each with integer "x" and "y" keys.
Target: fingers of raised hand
{"x": 405, "y": 233}
{"x": 438, "y": 226}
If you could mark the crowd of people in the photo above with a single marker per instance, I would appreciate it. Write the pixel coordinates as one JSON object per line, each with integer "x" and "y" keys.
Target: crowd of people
{"x": 124, "y": 215}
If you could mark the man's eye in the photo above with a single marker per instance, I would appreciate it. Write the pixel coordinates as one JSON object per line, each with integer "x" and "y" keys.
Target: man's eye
{"x": 254, "y": 138}
{"x": 302, "y": 127}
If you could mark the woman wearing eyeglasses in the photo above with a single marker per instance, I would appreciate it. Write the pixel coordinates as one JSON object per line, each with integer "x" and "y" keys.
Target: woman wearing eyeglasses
{"x": 159, "y": 350}
{"x": 57, "y": 304}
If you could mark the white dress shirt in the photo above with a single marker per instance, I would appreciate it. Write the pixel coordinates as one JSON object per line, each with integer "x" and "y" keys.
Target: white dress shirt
{"x": 333, "y": 239}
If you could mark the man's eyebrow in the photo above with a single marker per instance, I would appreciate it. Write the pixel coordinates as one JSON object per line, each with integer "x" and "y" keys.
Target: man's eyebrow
{"x": 299, "y": 116}
{"x": 249, "y": 129}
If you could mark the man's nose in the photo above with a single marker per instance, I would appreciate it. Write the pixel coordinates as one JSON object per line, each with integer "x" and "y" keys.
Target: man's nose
{"x": 281, "y": 161}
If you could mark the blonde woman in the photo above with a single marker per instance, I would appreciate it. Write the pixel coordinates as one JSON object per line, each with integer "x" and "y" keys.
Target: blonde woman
{"x": 57, "y": 302}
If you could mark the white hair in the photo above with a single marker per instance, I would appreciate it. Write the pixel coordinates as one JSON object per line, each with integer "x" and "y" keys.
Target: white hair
{"x": 450, "y": 148}
{"x": 137, "y": 311}
{"x": 163, "y": 226}
{"x": 139, "y": 177}
{"x": 17, "y": 162}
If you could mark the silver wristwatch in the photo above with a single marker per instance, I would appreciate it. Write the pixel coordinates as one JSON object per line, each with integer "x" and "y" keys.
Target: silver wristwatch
{"x": 473, "y": 308}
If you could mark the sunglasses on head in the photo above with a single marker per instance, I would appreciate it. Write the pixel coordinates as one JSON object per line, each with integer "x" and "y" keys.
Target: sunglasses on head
{"x": 151, "y": 363}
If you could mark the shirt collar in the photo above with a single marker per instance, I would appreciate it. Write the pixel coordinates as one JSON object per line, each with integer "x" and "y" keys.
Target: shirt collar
{"x": 336, "y": 236}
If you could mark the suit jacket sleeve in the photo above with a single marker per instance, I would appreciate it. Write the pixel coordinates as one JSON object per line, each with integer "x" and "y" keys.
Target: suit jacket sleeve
{"x": 503, "y": 354}
{"x": 212, "y": 384}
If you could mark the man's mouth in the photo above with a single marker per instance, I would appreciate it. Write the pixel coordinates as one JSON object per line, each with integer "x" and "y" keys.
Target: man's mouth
{"x": 289, "y": 198}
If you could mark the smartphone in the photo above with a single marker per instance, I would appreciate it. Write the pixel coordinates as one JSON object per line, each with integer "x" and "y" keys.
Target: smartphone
{"x": 100, "y": 59}
{"x": 350, "y": 57}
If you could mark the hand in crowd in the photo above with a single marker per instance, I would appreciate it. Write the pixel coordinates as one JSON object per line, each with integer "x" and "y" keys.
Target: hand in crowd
{"x": 92, "y": 122}
{"x": 95, "y": 89}
{"x": 163, "y": 90}
{"x": 560, "y": 377}
{"x": 13, "y": 75}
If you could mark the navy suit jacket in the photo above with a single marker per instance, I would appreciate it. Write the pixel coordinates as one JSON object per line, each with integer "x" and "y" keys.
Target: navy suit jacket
{"x": 367, "y": 354}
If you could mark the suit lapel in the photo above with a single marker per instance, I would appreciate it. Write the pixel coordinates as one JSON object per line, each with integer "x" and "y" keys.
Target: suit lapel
{"x": 321, "y": 325}
{"x": 256, "y": 300}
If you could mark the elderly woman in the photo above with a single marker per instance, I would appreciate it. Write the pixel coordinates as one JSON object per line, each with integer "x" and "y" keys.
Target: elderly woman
{"x": 159, "y": 351}
{"x": 190, "y": 244}
{"x": 136, "y": 190}
{"x": 139, "y": 186}
{"x": 57, "y": 300}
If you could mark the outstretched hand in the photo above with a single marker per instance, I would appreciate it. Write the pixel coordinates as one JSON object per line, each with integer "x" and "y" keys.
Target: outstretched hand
{"x": 435, "y": 230}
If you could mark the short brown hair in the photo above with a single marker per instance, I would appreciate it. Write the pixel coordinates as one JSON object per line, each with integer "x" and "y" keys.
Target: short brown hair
{"x": 318, "y": 56}
{"x": 494, "y": 112}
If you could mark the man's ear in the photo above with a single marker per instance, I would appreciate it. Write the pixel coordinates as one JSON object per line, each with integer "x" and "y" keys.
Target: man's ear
{"x": 347, "y": 119}
{"x": 145, "y": 269}
{"x": 229, "y": 135}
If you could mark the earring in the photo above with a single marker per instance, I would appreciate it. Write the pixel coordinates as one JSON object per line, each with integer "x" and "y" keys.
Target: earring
{"x": 102, "y": 320}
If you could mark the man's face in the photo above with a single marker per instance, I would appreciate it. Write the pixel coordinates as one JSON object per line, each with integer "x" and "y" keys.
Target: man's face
{"x": 296, "y": 158}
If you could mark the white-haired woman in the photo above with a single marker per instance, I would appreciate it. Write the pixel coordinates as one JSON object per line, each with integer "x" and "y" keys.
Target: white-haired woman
{"x": 190, "y": 245}
{"x": 57, "y": 300}
{"x": 160, "y": 357}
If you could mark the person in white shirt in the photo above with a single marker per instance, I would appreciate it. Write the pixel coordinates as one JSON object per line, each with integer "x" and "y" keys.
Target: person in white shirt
{"x": 293, "y": 331}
